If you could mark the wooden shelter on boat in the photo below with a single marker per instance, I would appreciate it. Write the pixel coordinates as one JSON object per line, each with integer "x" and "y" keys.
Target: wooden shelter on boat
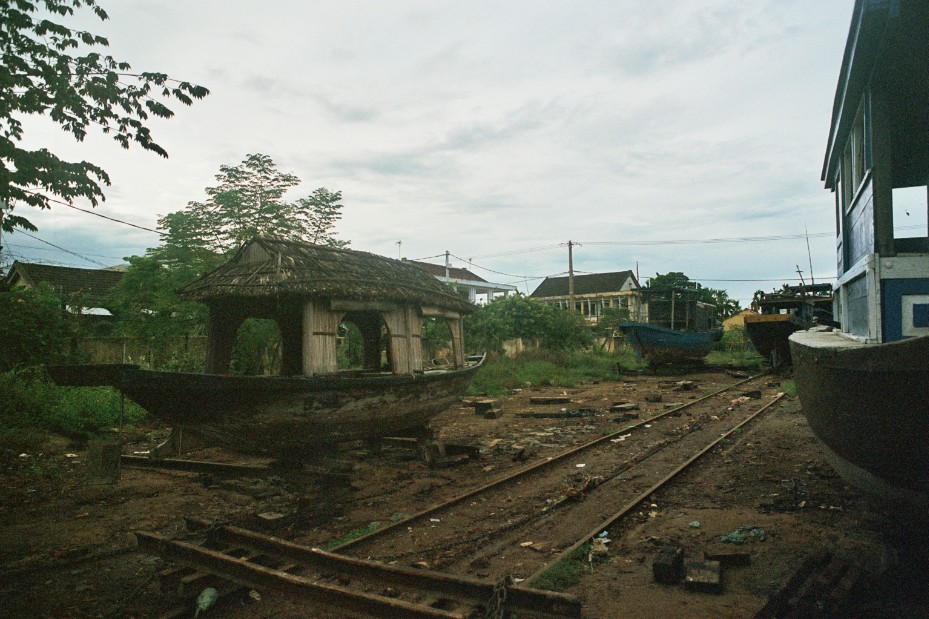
{"x": 308, "y": 290}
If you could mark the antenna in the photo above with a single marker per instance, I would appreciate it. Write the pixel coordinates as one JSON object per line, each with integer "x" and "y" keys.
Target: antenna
{"x": 808, "y": 253}
{"x": 399, "y": 246}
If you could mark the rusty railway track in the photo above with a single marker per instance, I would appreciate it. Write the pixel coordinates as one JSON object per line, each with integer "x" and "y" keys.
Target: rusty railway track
{"x": 523, "y": 472}
{"x": 242, "y": 558}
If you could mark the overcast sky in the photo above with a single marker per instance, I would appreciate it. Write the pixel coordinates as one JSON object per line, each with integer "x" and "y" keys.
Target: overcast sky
{"x": 497, "y": 131}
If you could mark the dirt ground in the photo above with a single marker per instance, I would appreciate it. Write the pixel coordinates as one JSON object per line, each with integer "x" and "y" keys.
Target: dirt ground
{"x": 67, "y": 547}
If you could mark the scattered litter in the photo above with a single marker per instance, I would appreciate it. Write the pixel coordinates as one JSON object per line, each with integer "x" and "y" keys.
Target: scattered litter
{"x": 205, "y": 600}
{"x": 694, "y": 524}
{"x": 580, "y": 466}
{"x": 254, "y": 595}
{"x": 70, "y": 455}
{"x": 526, "y": 544}
{"x": 603, "y": 533}
{"x": 434, "y": 520}
{"x": 648, "y": 425}
{"x": 518, "y": 580}
{"x": 597, "y": 549}
{"x": 743, "y": 533}
{"x": 621, "y": 438}
{"x": 652, "y": 514}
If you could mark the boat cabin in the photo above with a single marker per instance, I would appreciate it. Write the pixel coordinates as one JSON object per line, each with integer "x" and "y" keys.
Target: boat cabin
{"x": 678, "y": 308}
{"x": 310, "y": 290}
{"x": 807, "y": 303}
{"x": 877, "y": 165}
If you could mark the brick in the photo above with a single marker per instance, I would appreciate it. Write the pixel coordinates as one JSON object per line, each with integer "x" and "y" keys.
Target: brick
{"x": 668, "y": 568}
{"x": 704, "y": 577}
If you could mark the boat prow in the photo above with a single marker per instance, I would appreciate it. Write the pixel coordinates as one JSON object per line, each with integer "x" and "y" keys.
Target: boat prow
{"x": 869, "y": 405}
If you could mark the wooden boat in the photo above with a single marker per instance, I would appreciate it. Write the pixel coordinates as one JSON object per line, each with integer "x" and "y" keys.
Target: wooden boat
{"x": 309, "y": 290}
{"x": 783, "y": 312}
{"x": 865, "y": 389}
{"x": 282, "y": 415}
{"x": 659, "y": 345}
{"x": 679, "y": 328}
{"x": 867, "y": 403}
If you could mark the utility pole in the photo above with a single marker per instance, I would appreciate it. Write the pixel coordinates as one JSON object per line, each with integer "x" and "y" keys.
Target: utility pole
{"x": 446, "y": 266}
{"x": 571, "y": 275}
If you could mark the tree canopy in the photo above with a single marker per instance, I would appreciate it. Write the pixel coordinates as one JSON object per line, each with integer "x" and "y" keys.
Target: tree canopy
{"x": 249, "y": 200}
{"x": 517, "y": 316}
{"x": 51, "y": 70}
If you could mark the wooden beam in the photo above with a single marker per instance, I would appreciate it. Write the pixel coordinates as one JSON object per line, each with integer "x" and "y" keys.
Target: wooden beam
{"x": 345, "y": 305}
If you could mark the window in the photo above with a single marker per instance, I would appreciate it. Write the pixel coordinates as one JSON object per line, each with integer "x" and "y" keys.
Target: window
{"x": 854, "y": 160}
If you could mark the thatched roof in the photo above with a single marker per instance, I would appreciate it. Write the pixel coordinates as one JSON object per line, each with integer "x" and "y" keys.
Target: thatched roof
{"x": 267, "y": 267}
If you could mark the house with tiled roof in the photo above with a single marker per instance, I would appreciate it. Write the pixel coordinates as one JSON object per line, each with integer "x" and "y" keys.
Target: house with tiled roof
{"x": 89, "y": 287}
{"x": 465, "y": 281}
{"x": 593, "y": 293}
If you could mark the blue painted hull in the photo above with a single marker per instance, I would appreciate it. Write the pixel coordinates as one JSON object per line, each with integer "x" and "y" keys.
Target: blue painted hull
{"x": 660, "y": 345}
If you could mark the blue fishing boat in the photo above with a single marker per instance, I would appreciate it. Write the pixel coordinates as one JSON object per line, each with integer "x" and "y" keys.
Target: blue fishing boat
{"x": 659, "y": 345}
{"x": 679, "y": 328}
{"x": 864, "y": 388}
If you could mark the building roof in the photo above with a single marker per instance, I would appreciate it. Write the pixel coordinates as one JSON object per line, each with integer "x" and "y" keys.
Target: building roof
{"x": 66, "y": 281}
{"x": 267, "y": 267}
{"x": 592, "y": 283}
{"x": 438, "y": 270}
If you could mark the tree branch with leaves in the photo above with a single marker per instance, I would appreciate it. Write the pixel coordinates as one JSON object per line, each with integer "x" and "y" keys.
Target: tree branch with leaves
{"x": 43, "y": 73}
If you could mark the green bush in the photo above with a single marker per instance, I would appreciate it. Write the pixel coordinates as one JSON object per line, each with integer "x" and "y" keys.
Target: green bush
{"x": 34, "y": 327}
{"x": 257, "y": 349}
{"x": 32, "y": 401}
{"x": 516, "y": 316}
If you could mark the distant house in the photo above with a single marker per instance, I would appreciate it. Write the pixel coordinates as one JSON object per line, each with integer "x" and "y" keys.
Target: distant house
{"x": 86, "y": 287}
{"x": 593, "y": 293}
{"x": 465, "y": 281}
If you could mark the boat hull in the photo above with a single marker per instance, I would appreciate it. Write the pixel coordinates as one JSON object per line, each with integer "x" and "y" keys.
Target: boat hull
{"x": 283, "y": 415}
{"x": 769, "y": 334}
{"x": 660, "y": 345}
{"x": 869, "y": 405}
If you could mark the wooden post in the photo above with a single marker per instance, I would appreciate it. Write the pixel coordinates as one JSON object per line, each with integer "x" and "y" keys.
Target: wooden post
{"x": 103, "y": 461}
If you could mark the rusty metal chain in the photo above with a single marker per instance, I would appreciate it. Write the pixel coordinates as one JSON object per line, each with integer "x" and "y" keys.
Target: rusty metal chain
{"x": 496, "y": 606}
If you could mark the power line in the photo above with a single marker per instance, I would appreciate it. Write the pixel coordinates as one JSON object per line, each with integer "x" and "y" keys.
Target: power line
{"x": 471, "y": 264}
{"x": 737, "y": 239}
{"x": 67, "y": 251}
{"x": 84, "y": 210}
{"x": 35, "y": 247}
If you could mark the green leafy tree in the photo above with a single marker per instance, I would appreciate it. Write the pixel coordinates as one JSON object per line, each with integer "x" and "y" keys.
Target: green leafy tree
{"x": 249, "y": 200}
{"x": 319, "y": 215}
{"x": 42, "y": 73}
{"x": 34, "y": 329}
{"x": 146, "y": 304}
{"x": 517, "y": 316}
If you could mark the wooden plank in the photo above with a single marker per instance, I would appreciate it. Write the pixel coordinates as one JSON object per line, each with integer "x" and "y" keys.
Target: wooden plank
{"x": 558, "y": 399}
